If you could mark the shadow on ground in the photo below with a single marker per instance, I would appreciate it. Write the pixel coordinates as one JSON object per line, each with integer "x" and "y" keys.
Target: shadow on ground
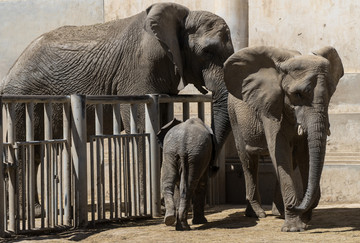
{"x": 341, "y": 219}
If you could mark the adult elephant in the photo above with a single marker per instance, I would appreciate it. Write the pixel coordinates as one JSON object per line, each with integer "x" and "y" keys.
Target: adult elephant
{"x": 278, "y": 104}
{"x": 159, "y": 50}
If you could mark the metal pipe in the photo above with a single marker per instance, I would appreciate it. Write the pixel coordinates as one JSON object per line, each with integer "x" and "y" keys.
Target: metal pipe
{"x": 47, "y": 136}
{"x": 66, "y": 163}
{"x": 99, "y": 124}
{"x": 11, "y": 172}
{"x": 151, "y": 127}
{"x": 186, "y": 111}
{"x": 78, "y": 151}
{"x": 31, "y": 163}
{"x": 201, "y": 111}
{"x": 134, "y": 182}
{"x": 2, "y": 186}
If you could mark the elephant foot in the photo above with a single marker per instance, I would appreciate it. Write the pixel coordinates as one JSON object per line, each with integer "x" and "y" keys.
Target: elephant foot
{"x": 182, "y": 226}
{"x": 258, "y": 213}
{"x": 276, "y": 211}
{"x": 293, "y": 225}
{"x": 169, "y": 219}
{"x": 199, "y": 220}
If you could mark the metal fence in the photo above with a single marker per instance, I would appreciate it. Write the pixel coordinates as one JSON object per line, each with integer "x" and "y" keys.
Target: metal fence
{"x": 80, "y": 179}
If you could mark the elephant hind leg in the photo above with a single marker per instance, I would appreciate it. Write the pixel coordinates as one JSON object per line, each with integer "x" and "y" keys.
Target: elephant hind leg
{"x": 250, "y": 168}
{"x": 186, "y": 191}
{"x": 199, "y": 200}
{"x": 169, "y": 178}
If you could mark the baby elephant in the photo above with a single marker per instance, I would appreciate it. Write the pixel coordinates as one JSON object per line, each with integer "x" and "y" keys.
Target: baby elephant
{"x": 187, "y": 153}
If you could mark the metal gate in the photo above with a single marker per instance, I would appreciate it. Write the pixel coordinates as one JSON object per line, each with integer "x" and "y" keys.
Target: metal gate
{"x": 80, "y": 180}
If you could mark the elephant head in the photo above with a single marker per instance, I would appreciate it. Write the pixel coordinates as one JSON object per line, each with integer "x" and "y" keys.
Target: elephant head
{"x": 197, "y": 43}
{"x": 285, "y": 86}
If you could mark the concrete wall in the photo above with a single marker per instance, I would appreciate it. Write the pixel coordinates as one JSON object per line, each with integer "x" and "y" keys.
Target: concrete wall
{"x": 22, "y": 21}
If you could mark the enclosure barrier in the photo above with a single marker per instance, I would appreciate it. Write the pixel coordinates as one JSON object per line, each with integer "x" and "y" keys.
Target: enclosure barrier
{"x": 121, "y": 171}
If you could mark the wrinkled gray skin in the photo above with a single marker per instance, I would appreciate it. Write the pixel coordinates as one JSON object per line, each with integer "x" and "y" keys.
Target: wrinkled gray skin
{"x": 187, "y": 153}
{"x": 159, "y": 50}
{"x": 278, "y": 104}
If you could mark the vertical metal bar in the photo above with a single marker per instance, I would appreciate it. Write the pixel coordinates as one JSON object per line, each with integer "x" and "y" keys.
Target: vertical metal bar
{"x": 92, "y": 179}
{"x": 100, "y": 160}
{"x": 60, "y": 182}
{"x": 26, "y": 189}
{"x": 128, "y": 177}
{"x": 170, "y": 112}
{"x": 47, "y": 136}
{"x": 66, "y": 163}
{"x": 17, "y": 186}
{"x": 186, "y": 111}
{"x": 42, "y": 178}
{"x": 78, "y": 151}
{"x": 201, "y": 111}
{"x": 134, "y": 161}
{"x": 117, "y": 158}
{"x": 151, "y": 127}
{"x": 12, "y": 186}
{"x": 110, "y": 179}
{"x": 32, "y": 176}
{"x": 2, "y": 186}
{"x": 55, "y": 184}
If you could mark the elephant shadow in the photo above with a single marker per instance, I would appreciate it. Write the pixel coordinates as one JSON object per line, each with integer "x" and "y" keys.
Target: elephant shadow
{"x": 232, "y": 221}
{"x": 335, "y": 220}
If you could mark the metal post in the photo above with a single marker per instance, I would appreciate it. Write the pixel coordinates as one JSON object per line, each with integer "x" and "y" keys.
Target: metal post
{"x": 11, "y": 171}
{"x": 49, "y": 180}
{"x": 186, "y": 111}
{"x": 99, "y": 125}
{"x": 134, "y": 182}
{"x": 2, "y": 191}
{"x": 78, "y": 151}
{"x": 31, "y": 164}
{"x": 117, "y": 161}
{"x": 66, "y": 163}
{"x": 201, "y": 111}
{"x": 152, "y": 127}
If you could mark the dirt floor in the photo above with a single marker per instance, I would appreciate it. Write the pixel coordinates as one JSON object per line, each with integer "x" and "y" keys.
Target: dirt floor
{"x": 227, "y": 223}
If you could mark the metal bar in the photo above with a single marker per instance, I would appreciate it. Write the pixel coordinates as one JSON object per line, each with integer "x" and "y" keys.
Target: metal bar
{"x": 110, "y": 179}
{"x": 78, "y": 151}
{"x": 99, "y": 124}
{"x": 66, "y": 163}
{"x": 42, "y": 186}
{"x": 30, "y": 137}
{"x": 26, "y": 189}
{"x": 184, "y": 98}
{"x": 152, "y": 126}
{"x": 113, "y": 99}
{"x": 134, "y": 161}
{"x": 61, "y": 182}
{"x": 11, "y": 172}
{"x": 2, "y": 184}
{"x": 35, "y": 99}
{"x": 47, "y": 136}
{"x": 201, "y": 111}
{"x": 117, "y": 158}
{"x": 92, "y": 179}
{"x": 186, "y": 111}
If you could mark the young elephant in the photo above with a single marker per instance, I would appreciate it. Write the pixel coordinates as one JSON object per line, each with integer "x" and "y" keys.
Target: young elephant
{"x": 187, "y": 153}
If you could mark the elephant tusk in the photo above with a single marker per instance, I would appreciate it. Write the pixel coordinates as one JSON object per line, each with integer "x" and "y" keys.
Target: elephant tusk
{"x": 300, "y": 130}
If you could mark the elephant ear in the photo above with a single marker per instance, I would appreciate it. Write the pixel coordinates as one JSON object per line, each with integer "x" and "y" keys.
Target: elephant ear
{"x": 253, "y": 75}
{"x": 164, "y": 130}
{"x": 336, "y": 67}
{"x": 165, "y": 21}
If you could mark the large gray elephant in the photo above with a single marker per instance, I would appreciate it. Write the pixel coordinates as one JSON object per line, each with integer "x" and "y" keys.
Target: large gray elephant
{"x": 159, "y": 50}
{"x": 187, "y": 153}
{"x": 278, "y": 104}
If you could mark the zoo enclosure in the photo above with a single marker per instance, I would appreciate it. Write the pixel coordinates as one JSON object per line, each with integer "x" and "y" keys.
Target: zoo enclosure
{"x": 64, "y": 176}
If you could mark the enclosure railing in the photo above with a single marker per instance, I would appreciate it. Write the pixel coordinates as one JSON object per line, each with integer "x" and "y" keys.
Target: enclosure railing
{"x": 120, "y": 171}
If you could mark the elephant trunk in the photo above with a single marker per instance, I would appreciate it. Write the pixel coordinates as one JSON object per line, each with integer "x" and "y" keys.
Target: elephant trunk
{"x": 220, "y": 122}
{"x": 316, "y": 124}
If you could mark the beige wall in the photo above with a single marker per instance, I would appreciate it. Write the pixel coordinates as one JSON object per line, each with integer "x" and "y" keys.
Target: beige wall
{"x": 308, "y": 25}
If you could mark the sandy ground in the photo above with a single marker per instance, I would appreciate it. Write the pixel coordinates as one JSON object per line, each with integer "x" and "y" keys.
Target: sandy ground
{"x": 227, "y": 223}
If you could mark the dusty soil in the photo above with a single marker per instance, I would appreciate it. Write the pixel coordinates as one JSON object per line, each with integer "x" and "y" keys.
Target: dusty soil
{"x": 227, "y": 223}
